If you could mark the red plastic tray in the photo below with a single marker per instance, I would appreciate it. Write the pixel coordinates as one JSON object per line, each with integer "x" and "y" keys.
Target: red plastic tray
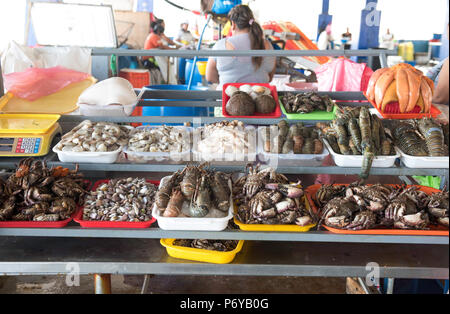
{"x": 273, "y": 89}
{"x": 392, "y": 112}
{"x": 112, "y": 224}
{"x": 43, "y": 224}
{"x": 39, "y": 224}
{"x": 435, "y": 230}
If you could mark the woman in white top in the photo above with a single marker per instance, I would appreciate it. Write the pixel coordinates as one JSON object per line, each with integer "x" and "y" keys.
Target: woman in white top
{"x": 247, "y": 35}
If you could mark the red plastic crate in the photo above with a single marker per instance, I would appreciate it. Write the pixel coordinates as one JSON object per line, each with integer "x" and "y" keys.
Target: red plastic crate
{"x": 137, "y": 77}
{"x": 112, "y": 224}
{"x": 274, "y": 115}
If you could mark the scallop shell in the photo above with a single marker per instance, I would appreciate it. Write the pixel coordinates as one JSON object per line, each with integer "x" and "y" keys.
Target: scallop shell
{"x": 230, "y": 90}
{"x": 246, "y": 89}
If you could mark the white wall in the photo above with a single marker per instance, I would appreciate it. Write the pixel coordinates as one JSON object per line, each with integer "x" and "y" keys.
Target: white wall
{"x": 12, "y": 21}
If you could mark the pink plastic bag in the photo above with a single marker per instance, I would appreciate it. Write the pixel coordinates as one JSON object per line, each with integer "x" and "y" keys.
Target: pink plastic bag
{"x": 35, "y": 83}
{"x": 343, "y": 75}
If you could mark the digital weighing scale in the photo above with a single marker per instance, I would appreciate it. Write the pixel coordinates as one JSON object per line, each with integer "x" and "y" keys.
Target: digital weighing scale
{"x": 24, "y": 135}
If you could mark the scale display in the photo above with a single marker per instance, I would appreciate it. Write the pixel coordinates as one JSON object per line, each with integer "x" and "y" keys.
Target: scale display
{"x": 21, "y": 145}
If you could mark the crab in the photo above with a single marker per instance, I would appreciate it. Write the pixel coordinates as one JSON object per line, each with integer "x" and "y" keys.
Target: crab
{"x": 256, "y": 180}
{"x": 327, "y": 192}
{"x": 403, "y": 212}
{"x": 338, "y": 212}
{"x": 437, "y": 205}
{"x": 402, "y": 84}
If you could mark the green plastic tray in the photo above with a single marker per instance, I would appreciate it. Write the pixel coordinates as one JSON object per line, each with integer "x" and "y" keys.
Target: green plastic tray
{"x": 316, "y": 115}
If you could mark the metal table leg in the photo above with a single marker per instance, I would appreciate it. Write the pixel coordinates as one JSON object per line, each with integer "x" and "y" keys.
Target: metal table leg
{"x": 102, "y": 283}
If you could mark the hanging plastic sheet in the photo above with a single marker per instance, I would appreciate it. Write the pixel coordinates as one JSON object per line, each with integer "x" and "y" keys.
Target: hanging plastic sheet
{"x": 343, "y": 75}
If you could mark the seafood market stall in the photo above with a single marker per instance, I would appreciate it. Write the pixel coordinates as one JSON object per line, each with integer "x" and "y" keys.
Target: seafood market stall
{"x": 303, "y": 250}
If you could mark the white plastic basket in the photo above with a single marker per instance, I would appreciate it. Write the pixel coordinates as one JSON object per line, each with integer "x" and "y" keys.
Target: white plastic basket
{"x": 159, "y": 157}
{"x": 353, "y": 161}
{"x": 291, "y": 159}
{"x": 236, "y": 158}
{"x": 424, "y": 162}
{"x": 192, "y": 224}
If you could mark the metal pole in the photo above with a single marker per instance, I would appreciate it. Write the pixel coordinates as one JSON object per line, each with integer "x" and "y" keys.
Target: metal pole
{"x": 390, "y": 286}
{"x": 102, "y": 283}
{"x": 383, "y": 60}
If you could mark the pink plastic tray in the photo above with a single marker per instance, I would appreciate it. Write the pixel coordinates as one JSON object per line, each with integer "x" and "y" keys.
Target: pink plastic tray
{"x": 112, "y": 224}
{"x": 273, "y": 115}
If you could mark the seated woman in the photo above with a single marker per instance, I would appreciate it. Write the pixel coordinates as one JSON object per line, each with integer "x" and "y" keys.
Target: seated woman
{"x": 158, "y": 40}
{"x": 247, "y": 35}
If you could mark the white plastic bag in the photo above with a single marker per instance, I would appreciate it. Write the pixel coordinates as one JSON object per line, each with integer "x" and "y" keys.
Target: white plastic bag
{"x": 18, "y": 58}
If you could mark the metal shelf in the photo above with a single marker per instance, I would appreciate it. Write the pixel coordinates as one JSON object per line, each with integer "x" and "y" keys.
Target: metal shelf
{"x": 42, "y": 256}
{"x": 156, "y": 233}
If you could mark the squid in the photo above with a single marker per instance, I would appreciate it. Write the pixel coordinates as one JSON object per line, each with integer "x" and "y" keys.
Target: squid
{"x": 403, "y": 84}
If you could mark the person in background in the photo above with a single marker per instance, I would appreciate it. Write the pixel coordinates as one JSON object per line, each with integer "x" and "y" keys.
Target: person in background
{"x": 325, "y": 40}
{"x": 158, "y": 40}
{"x": 184, "y": 35}
{"x": 439, "y": 75}
{"x": 247, "y": 34}
{"x": 346, "y": 39}
{"x": 387, "y": 40}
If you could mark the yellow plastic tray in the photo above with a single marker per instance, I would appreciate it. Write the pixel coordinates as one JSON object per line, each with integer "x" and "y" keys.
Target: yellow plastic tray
{"x": 200, "y": 255}
{"x": 27, "y": 123}
{"x": 62, "y": 102}
{"x": 274, "y": 228}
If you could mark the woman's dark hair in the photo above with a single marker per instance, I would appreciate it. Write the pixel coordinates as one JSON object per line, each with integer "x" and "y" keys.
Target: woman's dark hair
{"x": 157, "y": 27}
{"x": 243, "y": 16}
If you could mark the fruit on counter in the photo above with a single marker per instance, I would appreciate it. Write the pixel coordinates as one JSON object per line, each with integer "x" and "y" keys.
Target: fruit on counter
{"x": 224, "y": 138}
{"x": 356, "y": 131}
{"x": 210, "y": 245}
{"x": 126, "y": 200}
{"x": 307, "y": 102}
{"x": 194, "y": 192}
{"x": 266, "y": 197}
{"x": 91, "y": 136}
{"x": 425, "y": 137}
{"x": 36, "y": 193}
{"x": 297, "y": 139}
{"x": 241, "y": 104}
{"x": 361, "y": 207}
{"x": 401, "y": 89}
{"x": 248, "y": 100}
{"x": 165, "y": 139}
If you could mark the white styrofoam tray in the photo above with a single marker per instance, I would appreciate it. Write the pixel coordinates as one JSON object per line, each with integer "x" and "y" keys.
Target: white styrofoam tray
{"x": 88, "y": 157}
{"x": 353, "y": 161}
{"x": 169, "y": 157}
{"x": 207, "y": 223}
{"x": 424, "y": 162}
{"x": 291, "y": 159}
{"x": 236, "y": 158}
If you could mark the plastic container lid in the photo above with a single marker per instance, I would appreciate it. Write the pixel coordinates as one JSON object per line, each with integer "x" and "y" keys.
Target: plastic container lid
{"x": 27, "y": 123}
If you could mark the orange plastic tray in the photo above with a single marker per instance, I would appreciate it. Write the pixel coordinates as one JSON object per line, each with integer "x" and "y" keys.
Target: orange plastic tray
{"x": 435, "y": 230}
{"x": 434, "y": 113}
